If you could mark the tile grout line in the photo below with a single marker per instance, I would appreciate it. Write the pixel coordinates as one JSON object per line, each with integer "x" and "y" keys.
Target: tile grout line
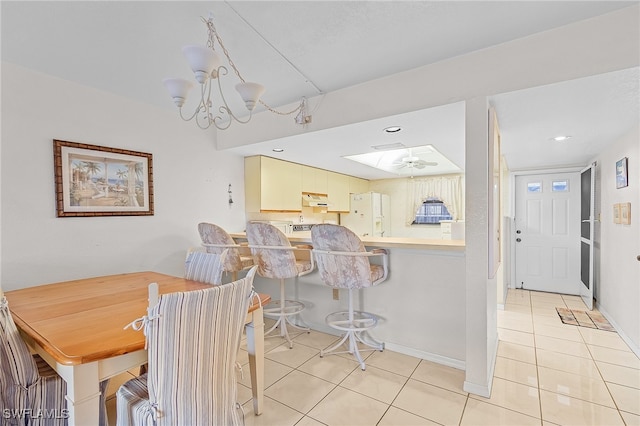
{"x": 535, "y": 355}
{"x": 571, "y": 396}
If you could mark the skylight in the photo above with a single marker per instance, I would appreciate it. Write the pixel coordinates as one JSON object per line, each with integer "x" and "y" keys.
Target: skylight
{"x": 414, "y": 161}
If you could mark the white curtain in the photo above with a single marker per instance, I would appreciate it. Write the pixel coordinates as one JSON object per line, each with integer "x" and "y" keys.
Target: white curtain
{"x": 448, "y": 189}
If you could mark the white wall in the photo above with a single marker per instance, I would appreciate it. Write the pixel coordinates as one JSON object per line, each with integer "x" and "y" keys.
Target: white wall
{"x": 191, "y": 180}
{"x": 481, "y": 291}
{"x": 617, "y": 288}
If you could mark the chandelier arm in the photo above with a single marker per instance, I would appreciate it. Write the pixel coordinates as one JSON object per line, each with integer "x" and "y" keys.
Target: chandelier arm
{"x": 218, "y": 119}
{"x": 200, "y": 107}
{"x": 204, "y": 105}
{"x": 200, "y": 125}
{"x": 192, "y": 115}
{"x": 225, "y": 108}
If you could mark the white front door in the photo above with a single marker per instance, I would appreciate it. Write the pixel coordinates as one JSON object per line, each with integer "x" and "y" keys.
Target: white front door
{"x": 547, "y": 232}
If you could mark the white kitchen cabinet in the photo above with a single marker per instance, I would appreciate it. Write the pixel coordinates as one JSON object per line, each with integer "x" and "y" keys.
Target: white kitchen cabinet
{"x": 314, "y": 180}
{"x": 357, "y": 185}
{"x": 338, "y": 192}
{"x": 272, "y": 185}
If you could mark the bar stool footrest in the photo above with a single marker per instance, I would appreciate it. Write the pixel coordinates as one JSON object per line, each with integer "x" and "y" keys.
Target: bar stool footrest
{"x": 361, "y": 321}
{"x": 291, "y": 307}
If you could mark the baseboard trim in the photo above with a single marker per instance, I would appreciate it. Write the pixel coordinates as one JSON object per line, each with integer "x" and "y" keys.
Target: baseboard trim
{"x": 476, "y": 389}
{"x": 439, "y": 359}
{"x": 416, "y": 353}
{"x": 484, "y": 389}
{"x": 621, "y": 333}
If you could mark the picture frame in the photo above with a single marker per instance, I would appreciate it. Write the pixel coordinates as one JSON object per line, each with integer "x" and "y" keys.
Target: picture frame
{"x": 616, "y": 213}
{"x": 92, "y": 180}
{"x": 622, "y": 178}
{"x": 625, "y": 213}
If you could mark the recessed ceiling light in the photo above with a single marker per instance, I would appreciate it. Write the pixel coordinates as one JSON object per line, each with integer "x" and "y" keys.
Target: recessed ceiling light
{"x": 393, "y": 129}
{"x": 277, "y": 150}
{"x": 561, "y": 138}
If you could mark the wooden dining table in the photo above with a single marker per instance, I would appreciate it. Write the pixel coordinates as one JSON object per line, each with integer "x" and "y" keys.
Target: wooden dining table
{"x": 78, "y": 328}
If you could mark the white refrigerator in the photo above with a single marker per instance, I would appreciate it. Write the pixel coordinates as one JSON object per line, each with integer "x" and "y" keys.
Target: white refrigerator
{"x": 369, "y": 215}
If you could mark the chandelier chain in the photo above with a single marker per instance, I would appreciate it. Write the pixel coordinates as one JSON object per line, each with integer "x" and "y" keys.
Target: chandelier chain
{"x": 211, "y": 44}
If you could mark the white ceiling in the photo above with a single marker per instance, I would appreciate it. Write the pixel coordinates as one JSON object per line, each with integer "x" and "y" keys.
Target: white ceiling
{"x": 305, "y": 48}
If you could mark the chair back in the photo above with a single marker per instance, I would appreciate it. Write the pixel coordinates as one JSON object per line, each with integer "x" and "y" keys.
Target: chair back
{"x": 18, "y": 370}
{"x": 204, "y": 267}
{"x": 343, "y": 269}
{"x": 215, "y": 235}
{"x": 193, "y": 339}
{"x": 264, "y": 240}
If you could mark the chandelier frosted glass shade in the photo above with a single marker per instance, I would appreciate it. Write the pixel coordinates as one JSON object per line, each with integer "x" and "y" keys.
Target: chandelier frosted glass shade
{"x": 202, "y": 60}
{"x": 178, "y": 89}
{"x": 250, "y": 93}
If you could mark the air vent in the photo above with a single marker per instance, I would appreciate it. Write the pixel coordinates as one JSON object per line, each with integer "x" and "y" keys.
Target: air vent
{"x": 387, "y": 146}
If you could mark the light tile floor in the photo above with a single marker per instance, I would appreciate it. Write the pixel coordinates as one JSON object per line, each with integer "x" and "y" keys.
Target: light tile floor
{"x": 546, "y": 373}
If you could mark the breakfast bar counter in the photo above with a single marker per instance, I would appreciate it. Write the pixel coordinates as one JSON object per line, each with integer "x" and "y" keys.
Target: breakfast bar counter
{"x": 421, "y": 304}
{"x": 304, "y": 237}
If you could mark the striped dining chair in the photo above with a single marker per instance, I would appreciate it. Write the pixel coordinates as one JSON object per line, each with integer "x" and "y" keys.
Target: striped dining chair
{"x": 204, "y": 267}
{"x": 30, "y": 390}
{"x": 193, "y": 339}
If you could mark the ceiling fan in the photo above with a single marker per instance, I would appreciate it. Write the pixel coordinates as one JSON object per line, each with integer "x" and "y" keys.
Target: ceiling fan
{"x": 412, "y": 162}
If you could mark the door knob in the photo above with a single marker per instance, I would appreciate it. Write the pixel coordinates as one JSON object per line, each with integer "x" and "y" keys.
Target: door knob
{"x": 638, "y": 257}
{"x": 518, "y": 232}
{"x": 518, "y": 240}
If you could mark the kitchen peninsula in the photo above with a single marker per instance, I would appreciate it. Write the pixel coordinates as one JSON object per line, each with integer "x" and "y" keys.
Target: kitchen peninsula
{"x": 421, "y": 304}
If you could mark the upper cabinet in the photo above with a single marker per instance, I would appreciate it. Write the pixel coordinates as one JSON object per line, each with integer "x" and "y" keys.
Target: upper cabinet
{"x": 314, "y": 180}
{"x": 272, "y": 185}
{"x": 357, "y": 185}
{"x": 338, "y": 192}
{"x": 277, "y": 185}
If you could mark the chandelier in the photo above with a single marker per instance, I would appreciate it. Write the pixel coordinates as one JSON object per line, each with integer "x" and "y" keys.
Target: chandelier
{"x": 205, "y": 63}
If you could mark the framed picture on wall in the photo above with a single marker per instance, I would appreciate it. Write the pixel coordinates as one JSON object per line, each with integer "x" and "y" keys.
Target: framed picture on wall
{"x": 621, "y": 173}
{"x": 93, "y": 180}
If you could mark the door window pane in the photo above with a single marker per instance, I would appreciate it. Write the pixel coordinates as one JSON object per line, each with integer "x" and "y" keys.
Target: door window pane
{"x": 560, "y": 186}
{"x": 534, "y": 187}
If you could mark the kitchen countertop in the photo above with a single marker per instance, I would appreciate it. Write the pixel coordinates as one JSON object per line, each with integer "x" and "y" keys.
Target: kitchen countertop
{"x": 382, "y": 242}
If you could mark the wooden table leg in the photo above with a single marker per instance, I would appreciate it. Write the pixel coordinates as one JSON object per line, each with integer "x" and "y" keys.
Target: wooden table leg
{"x": 255, "y": 348}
